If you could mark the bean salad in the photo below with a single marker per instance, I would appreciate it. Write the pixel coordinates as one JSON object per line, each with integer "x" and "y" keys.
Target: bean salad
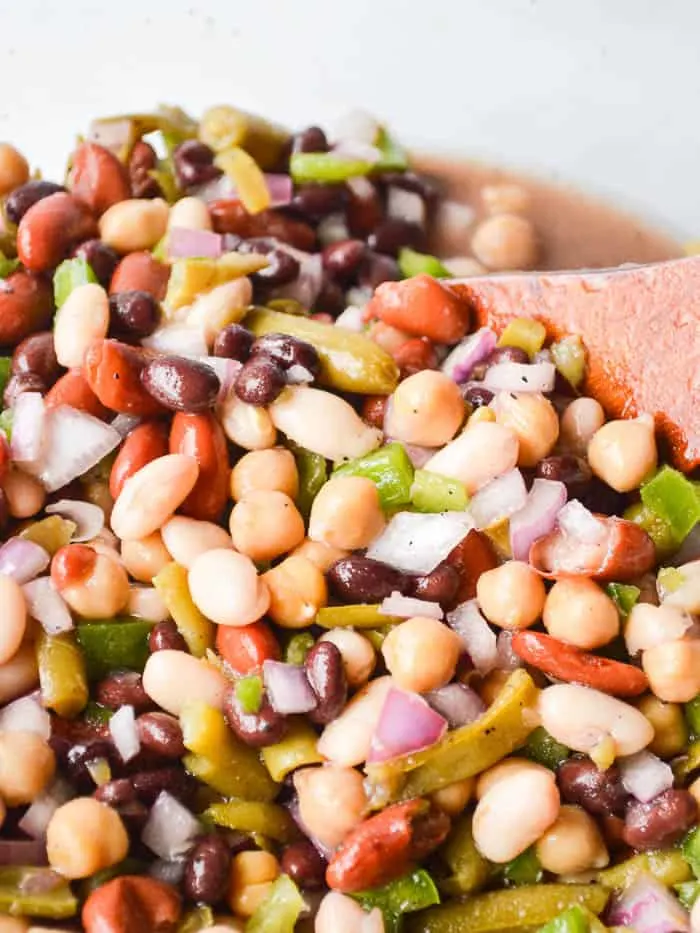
{"x": 321, "y": 608}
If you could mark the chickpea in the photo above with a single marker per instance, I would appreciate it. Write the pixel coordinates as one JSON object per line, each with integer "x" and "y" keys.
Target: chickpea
{"x": 534, "y": 420}
{"x": 19, "y": 675}
{"x": 580, "y": 421}
{"x": 670, "y": 727}
{"x": 297, "y": 591}
{"x": 426, "y": 409}
{"x": 505, "y": 198}
{"x": 252, "y": 873}
{"x": 25, "y": 494}
{"x": 511, "y": 596}
{"x": 359, "y": 656}
{"x": 506, "y": 768}
{"x": 14, "y": 618}
{"x": 338, "y": 913}
{"x": 271, "y": 469}
{"x": 144, "y": 558}
{"x": 265, "y": 525}
{"x": 347, "y": 513}
{"x": 673, "y": 669}
{"x": 572, "y": 844}
{"x": 15, "y": 925}
{"x": 319, "y": 553}
{"x": 102, "y": 593}
{"x": 190, "y": 213}
{"x": 14, "y": 169}
{"x": 421, "y": 654}
{"x": 27, "y": 765}
{"x": 623, "y": 453}
{"x": 578, "y": 612}
{"x": 332, "y": 801}
{"x": 225, "y": 586}
{"x": 505, "y": 241}
{"x": 249, "y": 426}
{"x": 84, "y": 836}
{"x": 454, "y": 798}
{"x": 134, "y": 224}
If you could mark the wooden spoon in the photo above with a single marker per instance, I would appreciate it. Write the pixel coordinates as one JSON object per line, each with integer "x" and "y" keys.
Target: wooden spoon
{"x": 640, "y": 326}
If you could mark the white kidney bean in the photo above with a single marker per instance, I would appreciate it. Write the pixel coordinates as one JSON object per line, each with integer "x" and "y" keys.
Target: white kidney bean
{"x": 648, "y": 626}
{"x": 514, "y": 813}
{"x": 83, "y": 317}
{"x": 25, "y": 494}
{"x": 223, "y": 305}
{"x": 623, "y": 453}
{"x": 187, "y": 538}
{"x": 478, "y": 455}
{"x": 145, "y": 602}
{"x": 225, "y": 586}
{"x": 189, "y": 213}
{"x": 581, "y": 419}
{"x": 347, "y": 739}
{"x": 673, "y": 669}
{"x": 323, "y": 423}
{"x": 249, "y": 426}
{"x": 346, "y": 513}
{"x": 134, "y": 224}
{"x": 339, "y": 913}
{"x": 151, "y": 495}
{"x": 14, "y": 618}
{"x": 20, "y": 674}
{"x": 332, "y": 801}
{"x": 506, "y": 769}
{"x": 359, "y": 656}
{"x": 172, "y": 679}
{"x": 581, "y": 718}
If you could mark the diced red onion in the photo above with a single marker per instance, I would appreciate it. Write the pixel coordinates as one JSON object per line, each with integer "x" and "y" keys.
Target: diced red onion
{"x": 508, "y": 660}
{"x": 405, "y": 205}
{"x": 460, "y": 362}
{"x": 499, "y": 499}
{"x": 122, "y": 727}
{"x": 576, "y": 520}
{"x": 332, "y": 229}
{"x": 353, "y": 149}
{"x": 89, "y": 518}
{"x": 458, "y": 703}
{"x": 417, "y": 543}
{"x": 185, "y": 243}
{"x": 351, "y": 319}
{"x": 28, "y": 421}
{"x": 537, "y": 517}
{"x": 171, "y": 829}
{"x": 75, "y": 443}
{"x": 645, "y": 776}
{"x": 22, "y": 852}
{"x": 38, "y": 816}
{"x": 22, "y": 559}
{"x": 47, "y": 606}
{"x": 125, "y": 424}
{"x": 406, "y": 607}
{"x": 648, "y": 907}
{"x": 478, "y": 638}
{"x": 288, "y": 688}
{"x": 26, "y": 715}
{"x": 307, "y": 285}
{"x": 520, "y": 377}
{"x": 406, "y": 724}
{"x": 169, "y": 871}
{"x": 280, "y": 188}
{"x": 180, "y": 339}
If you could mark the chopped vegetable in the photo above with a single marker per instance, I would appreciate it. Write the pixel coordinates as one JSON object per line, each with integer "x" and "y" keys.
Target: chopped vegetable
{"x": 656, "y": 526}
{"x": 544, "y": 749}
{"x": 524, "y": 869}
{"x": 247, "y": 176}
{"x": 469, "y": 870}
{"x": 5, "y": 372}
{"x": 432, "y": 492}
{"x": 624, "y": 595}
{"x": 389, "y": 468}
{"x": 35, "y": 892}
{"x": 667, "y": 865}
{"x": 222, "y": 127}
{"x": 692, "y": 716}
{"x": 393, "y": 157}
{"x": 199, "y": 918}
{"x": 191, "y": 277}
{"x": 569, "y": 357}
{"x": 254, "y": 816}
{"x": 7, "y": 266}
{"x": 673, "y": 496}
{"x": 688, "y": 892}
{"x": 62, "y": 673}
{"x": 406, "y": 895}
{"x": 118, "y": 644}
{"x": 414, "y": 263}
{"x": 249, "y": 693}
{"x": 296, "y": 749}
{"x": 691, "y": 850}
{"x": 572, "y": 920}
{"x": 326, "y": 168}
{"x": 69, "y": 275}
{"x": 313, "y": 473}
{"x": 361, "y": 615}
{"x": 298, "y": 647}
{"x": 194, "y": 627}
{"x": 280, "y": 910}
{"x": 525, "y": 333}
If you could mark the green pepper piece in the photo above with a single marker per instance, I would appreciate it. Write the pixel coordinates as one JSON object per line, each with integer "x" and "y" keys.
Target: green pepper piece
{"x": 360, "y": 615}
{"x": 405, "y": 895}
{"x": 624, "y": 595}
{"x": 667, "y": 865}
{"x": 690, "y": 848}
{"x": 5, "y": 370}
{"x": 525, "y": 333}
{"x": 313, "y": 473}
{"x": 51, "y": 533}
{"x": 390, "y": 470}
{"x": 62, "y": 674}
{"x": 326, "y": 168}
{"x": 280, "y": 910}
{"x": 432, "y": 492}
{"x": 544, "y": 749}
{"x": 690, "y": 762}
{"x": 296, "y": 749}
{"x": 130, "y": 866}
{"x": 96, "y": 714}
{"x": 515, "y": 911}
{"x": 413, "y": 263}
{"x": 26, "y": 891}
{"x": 572, "y": 920}
{"x": 569, "y": 355}
{"x": 673, "y": 496}
{"x": 524, "y": 869}
{"x": 656, "y": 526}
{"x": 350, "y": 362}
{"x": 469, "y": 869}
{"x": 193, "y": 625}
{"x": 7, "y": 266}
{"x": 298, "y": 647}
{"x": 172, "y": 122}
{"x": 393, "y": 157}
{"x": 692, "y": 716}
{"x": 6, "y": 423}
{"x": 69, "y": 275}
{"x": 462, "y": 752}
{"x": 688, "y": 892}
{"x": 120, "y": 644}
{"x": 249, "y": 693}
{"x": 199, "y": 918}
{"x": 254, "y": 816}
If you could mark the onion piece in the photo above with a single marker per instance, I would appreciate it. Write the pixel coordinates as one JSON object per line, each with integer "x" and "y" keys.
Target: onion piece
{"x": 460, "y": 362}
{"x": 520, "y": 377}
{"x": 477, "y": 636}
{"x": 28, "y": 419}
{"x": 89, "y": 518}
{"x": 359, "y": 295}
{"x": 406, "y": 724}
{"x": 298, "y": 375}
{"x": 417, "y": 543}
{"x": 280, "y": 188}
{"x": 499, "y": 499}
{"x": 648, "y": 907}
{"x": 458, "y": 703}
{"x": 170, "y": 872}
{"x": 576, "y": 520}
{"x": 125, "y": 424}
{"x": 186, "y": 243}
{"x": 22, "y": 559}
{"x": 114, "y": 135}
{"x": 180, "y": 339}
{"x": 47, "y": 606}
{"x": 537, "y": 517}
{"x": 351, "y": 319}
{"x": 687, "y": 596}
{"x": 508, "y": 660}
{"x": 38, "y": 816}
{"x": 405, "y": 205}
{"x": 23, "y": 852}
{"x": 405, "y": 607}
{"x": 75, "y": 442}
{"x": 354, "y": 149}
{"x": 171, "y": 830}
{"x": 122, "y": 727}
{"x": 645, "y": 776}
{"x": 453, "y": 219}
{"x": 227, "y": 371}
{"x": 288, "y": 688}
{"x": 307, "y": 285}
{"x": 358, "y": 125}
{"x": 26, "y": 714}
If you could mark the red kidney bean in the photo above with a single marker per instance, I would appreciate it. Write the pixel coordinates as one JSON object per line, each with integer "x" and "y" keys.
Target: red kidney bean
{"x": 202, "y": 437}
{"x": 312, "y": 139}
{"x": 326, "y": 674}
{"x": 207, "y": 870}
{"x": 36, "y": 354}
{"x": 313, "y": 202}
{"x": 149, "y": 784}
{"x": 661, "y": 822}
{"x": 113, "y": 371}
{"x": 281, "y": 269}
{"x": 266, "y": 727}
{"x": 477, "y": 396}
{"x": 342, "y": 260}
{"x": 304, "y": 865}
{"x": 142, "y": 161}
{"x": 116, "y": 793}
{"x": 24, "y": 197}
{"x": 600, "y": 792}
{"x": 141, "y": 272}
{"x": 98, "y": 178}
{"x": 102, "y": 259}
{"x": 364, "y": 210}
{"x": 260, "y": 381}
{"x": 194, "y": 163}
{"x": 373, "y": 408}
{"x": 20, "y": 383}
{"x": 26, "y": 306}
{"x": 164, "y": 636}
{"x": 473, "y": 556}
{"x": 50, "y": 229}
{"x": 133, "y": 314}
{"x": 123, "y": 688}
{"x": 376, "y": 269}
{"x": 161, "y": 733}
{"x": 146, "y": 442}
{"x": 234, "y": 342}
{"x": 394, "y": 233}
{"x": 73, "y": 389}
{"x": 288, "y": 351}
{"x": 132, "y": 904}
{"x": 415, "y": 355}
{"x": 363, "y": 580}
{"x": 181, "y": 384}
{"x": 229, "y": 216}
{"x": 439, "y": 586}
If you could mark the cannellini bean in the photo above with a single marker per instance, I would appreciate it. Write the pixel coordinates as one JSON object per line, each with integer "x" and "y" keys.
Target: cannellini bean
{"x": 478, "y": 455}
{"x": 145, "y": 602}
{"x": 151, "y": 495}
{"x": 172, "y": 679}
{"x": 83, "y": 317}
{"x": 580, "y": 421}
{"x": 332, "y": 801}
{"x": 134, "y": 224}
{"x": 24, "y": 493}
{"x": 323, "y": 423}
{"x": 14, "y": 618}
{"x": 514, "y": 813}
{"x": 507, "y": 768}
{"x": 249, "y": 426}
{"x": 581, "y": 718}
{"x": 673, "y": 669}
{"x": 623, "y": 453}
{"x": 347, "y": 513}
{"x": 347, "y": 739}
{"x": 338, "y": 913}
{"x": 187, "y": 538}
{"x": 225, "y": 586}
{"x": 649, "y": 625}
{"x": 190, "y": 213}
{"x": 223, "y": 305}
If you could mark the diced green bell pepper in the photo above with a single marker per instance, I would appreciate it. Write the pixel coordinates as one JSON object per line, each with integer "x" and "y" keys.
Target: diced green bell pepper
{"x": 569, "y": 355}
{"x": 691, "y": 850}
{"x": 525, "y": 333}
{"x": 390, "y": 470}
{"x": 432, "y": 492}
{"x": 6, "y": 423}
{"x": 298, "y": 647}
{"x": 656, "y": 526}
{"x": 68, "y": 276}
{"x": 62, "y": 673}
{"x": 624, "y": 595}
{"x": 7, "y": 266}
{"x": 254, "y": 816}
{"x": 26, "y": 891}
{"x": 405, "y": 895}
{"x": 249, "y": 693}
{"x": 524, "y": 869}
{"x": 118, "y": 644}
{"x": 673, "y": 496}
{"x": 413, "y": 263}
{"x": 326, "y": 168}
{"x": 690, "y": 762}
{"x": 544, "y": 749}
{"x": 313, "y": 473}
{"x": 280, "y": 910}
{"x": 688, "y": 892}
{"x": 572, "y": 920}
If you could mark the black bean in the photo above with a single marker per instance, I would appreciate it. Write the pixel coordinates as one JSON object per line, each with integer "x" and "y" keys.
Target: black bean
{"x": 24, "y": 197}
{"x": 364, "y": 210}
{"x": 234, "y": 342}
{"x": 376, "y": 269}
{"x": 266, "y": 727}
{"x": 164, "y": 636}
{"x": 599, "y": 497}
{"x": 116, "y": 793}
{"x": 260, "y": 381}
{"x": 573, "y": 471}
{"x": 599, "y": 792}
{"x": 207, "y": 870}
{"x": 194, "y": 163}
{"x": 363, "y": 580}
{"x": 477, "y": 396}
{"x": 19, "y": 383}
{"x": 312, "y": 139}
{"x": 282, "y": 268}
{"x": 304, "y": 865}
{"x": 326, "y": 674}
{"x": 4, "y": 510}
{"x": 439, "y": 586}
{"x": 394, "y": 233}
{"x": 331, "y": 298}
{"x": 36, "y": 354}
{"x": 661, "y": 822}
{"x": 122, "y": 688}
{"x": 181, "y": 384}
{"x": 341, "y": 260}
{"x": 288, "y": 351}
{"x": 82, "y": 753}
{"x": 149, "y": 784}
{"x": 133, "y": 314}
{"x": 142, "y": 161}
{"x": 313, "y": 202}
{"x": 101, "y": 258}
{"x": 161, "y": 733}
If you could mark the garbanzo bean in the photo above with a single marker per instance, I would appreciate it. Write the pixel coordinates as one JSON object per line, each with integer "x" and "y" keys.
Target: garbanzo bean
{"x": 14, "y": 169}
{"x": 623, "y": 453}
{"x": 25, "y": 495}
{"x": 332, "y": 801}
{"x": 134, "y": 224}
{"x": 271, "y": 469}
{"x": 190, "y": 213}
{"x": 346, "y": 513}
{"x": 359, "y": 656}
{"x": 144, "y": 558}
{"x": 27, "y": 765}
{"x": 14, "y": 618}
{"x": 578, "y": 612}
{"x": 84, "y": 836}
{"x": 319, "y": 553}
{"x": 534, "y": 420}
{"x": 580, "y": 421}
{"x": 101, "y": 593}
{"x": 572, "y": 844}
{"x": 670, "y": 727}
{"x": 673, "y": 669}
{"x": 426, "y": 408}
{"x": 297, "y": 591}
{"x": 505, "y": 241}
{"x": 266, "y": 524}
{"x": 421, "y": 654}
{"x": 453, "y": 799}
{"x": 252, "y": 873}
{"x": 511, "y": 596}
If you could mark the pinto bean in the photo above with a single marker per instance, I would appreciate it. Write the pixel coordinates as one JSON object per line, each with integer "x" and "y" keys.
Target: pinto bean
{"x": 98, "y": 178}
{"x": 50, "y": 229}
{"x": 26, "y": 305}
{"x": 113, "y": 371}
{"x": 139, "y": 271}
{"x": 73, "y": 389}
{"x": 201, "y": 436}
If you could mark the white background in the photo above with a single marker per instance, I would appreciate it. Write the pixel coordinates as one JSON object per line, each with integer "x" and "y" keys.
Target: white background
{"x": 604, "y": 93}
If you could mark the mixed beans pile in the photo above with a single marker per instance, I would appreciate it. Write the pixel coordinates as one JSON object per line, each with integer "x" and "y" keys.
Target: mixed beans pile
{"x": 320, "y": 611}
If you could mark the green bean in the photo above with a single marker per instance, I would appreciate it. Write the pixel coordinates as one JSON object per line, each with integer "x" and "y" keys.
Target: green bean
{"x": 254, "y": 816}
{"x": 62, "y": 674}
{"x": 35, "y": 892}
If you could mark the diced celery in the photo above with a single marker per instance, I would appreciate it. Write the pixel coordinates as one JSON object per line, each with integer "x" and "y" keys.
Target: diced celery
{"x": 6, "y": 423}
{"x": 432, "y": 492}
{"x": 691, "y": 850}
{"x": 525, "y": 333}
{"x": 673, "y": 496}
{"x": 413, "y": 263}
{"x": 390, "y": 470}
{"x": 394, "y": 157}
{"x": 69, "y": 275}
